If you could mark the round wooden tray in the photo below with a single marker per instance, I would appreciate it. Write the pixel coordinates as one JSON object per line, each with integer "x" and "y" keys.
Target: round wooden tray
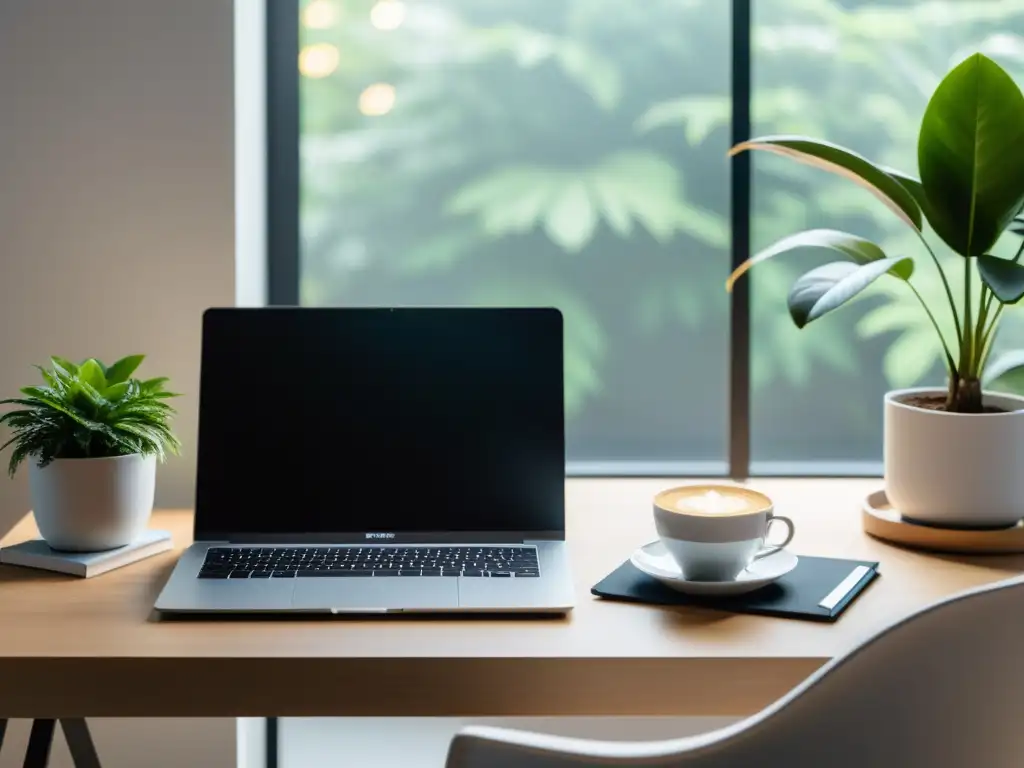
{"x": 883, "y": 522}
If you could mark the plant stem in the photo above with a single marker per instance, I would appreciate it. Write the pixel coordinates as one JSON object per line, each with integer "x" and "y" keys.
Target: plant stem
{"x": 945, "y": 283}
{"x": 989, "y": 338}
{"x": 984, "y": 302}
{"x": 950, "y": 362}
{"x": 967, "y": 342}
{"x": 987, "y": 335}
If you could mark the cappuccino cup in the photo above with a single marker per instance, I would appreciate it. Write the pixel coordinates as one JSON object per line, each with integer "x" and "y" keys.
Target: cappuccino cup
{"x": 714, "y": 532}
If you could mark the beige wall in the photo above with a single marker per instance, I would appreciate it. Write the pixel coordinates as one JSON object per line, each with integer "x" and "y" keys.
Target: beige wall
{"x": 116, "y": 205}
{"x": 116, "y": 229}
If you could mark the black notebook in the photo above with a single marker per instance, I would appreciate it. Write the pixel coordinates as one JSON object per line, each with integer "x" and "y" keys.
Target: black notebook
{"x": 818, "y": 589}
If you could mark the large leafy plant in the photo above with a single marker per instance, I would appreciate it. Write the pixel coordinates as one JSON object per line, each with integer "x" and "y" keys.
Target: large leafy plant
{"x": 970, "y": 191}
{"x": 90, "y": 411}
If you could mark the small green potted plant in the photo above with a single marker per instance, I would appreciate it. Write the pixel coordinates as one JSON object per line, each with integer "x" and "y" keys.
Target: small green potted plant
{"x": 92, "y": 436}
{"x": 952, "y": 454}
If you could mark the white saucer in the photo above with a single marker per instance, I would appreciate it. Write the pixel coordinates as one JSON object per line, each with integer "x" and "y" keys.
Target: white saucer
{"x": 654, "y": 560}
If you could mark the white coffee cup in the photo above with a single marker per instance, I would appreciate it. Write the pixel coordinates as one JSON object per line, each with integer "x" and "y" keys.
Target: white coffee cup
{"x": 715, "y": 531}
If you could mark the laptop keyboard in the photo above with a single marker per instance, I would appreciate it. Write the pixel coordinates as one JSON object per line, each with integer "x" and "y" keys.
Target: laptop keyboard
{"x": 374, "y": 562}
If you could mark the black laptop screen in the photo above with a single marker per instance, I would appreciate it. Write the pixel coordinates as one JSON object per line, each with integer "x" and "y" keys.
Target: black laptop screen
{"x": 349, "y": 421}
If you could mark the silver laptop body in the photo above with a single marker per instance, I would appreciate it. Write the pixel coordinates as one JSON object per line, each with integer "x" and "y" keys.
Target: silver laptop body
{"x": 378, "y": 460}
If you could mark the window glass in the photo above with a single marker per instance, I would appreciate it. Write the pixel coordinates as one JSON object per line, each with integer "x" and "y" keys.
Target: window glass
{"x": 554, "y": 152}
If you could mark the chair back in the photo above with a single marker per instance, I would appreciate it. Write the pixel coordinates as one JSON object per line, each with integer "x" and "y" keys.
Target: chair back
{"x": 943, "y": 688}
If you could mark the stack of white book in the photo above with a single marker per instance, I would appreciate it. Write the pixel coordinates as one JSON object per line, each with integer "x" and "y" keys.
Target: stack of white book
{"x": 37, "y": 554}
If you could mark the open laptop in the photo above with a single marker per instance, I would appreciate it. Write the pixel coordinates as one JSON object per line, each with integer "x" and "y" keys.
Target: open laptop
{"x": 378, "y": 461}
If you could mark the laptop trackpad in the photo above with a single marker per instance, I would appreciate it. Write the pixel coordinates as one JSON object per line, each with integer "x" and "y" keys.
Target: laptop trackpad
{"x": 418, "y": 593}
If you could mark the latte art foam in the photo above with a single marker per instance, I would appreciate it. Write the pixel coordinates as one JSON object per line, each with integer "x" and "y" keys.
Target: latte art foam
{"x": 712, "y": 501}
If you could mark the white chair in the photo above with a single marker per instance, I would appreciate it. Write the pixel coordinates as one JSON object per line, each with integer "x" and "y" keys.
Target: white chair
{"x": 943, "y": 688}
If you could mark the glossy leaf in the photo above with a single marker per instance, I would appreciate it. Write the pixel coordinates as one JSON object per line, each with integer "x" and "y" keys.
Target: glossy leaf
{"x": 856, "y": 250}
{"x": 78, "y": 416}
{"x": 1004, "y": 277}
{"x": 91, "y": 373}
{"x": 66, "y": 365}
{"x": 123, "y": 368}
{"x": 914, "y": 187}
{"x": 846, "y": 163}
{"x": 115, "y": 391}
{"x": 828, "y": 287}
{"x": 971, "y": 155}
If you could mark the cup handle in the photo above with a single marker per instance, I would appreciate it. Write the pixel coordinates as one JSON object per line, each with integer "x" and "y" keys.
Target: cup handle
{"x": 771, "y": 549}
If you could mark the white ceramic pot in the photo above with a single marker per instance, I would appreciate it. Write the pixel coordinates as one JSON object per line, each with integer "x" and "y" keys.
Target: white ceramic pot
{"x": 955, "y": 469}
{"x": 88, "y": 505}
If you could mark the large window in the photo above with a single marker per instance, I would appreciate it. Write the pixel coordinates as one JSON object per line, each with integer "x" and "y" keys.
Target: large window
{"x": 573, "y": 153}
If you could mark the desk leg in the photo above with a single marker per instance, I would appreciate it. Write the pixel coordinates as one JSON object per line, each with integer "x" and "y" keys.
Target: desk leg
{"x": 39, "y": 742}
{"x": 83, "y": 751}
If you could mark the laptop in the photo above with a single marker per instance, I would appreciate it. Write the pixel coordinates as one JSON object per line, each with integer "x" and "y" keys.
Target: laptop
{"x": 378, "y": 460}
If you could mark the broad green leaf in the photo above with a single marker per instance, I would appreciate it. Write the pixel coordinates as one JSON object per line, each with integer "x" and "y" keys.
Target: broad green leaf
{"x": 95, "y": 399}
{"x": 67, "y": 365}
{"x": 844, "y": 162}
{"x": 828, "y": 287}
{"x": 1006, "y": 373}
{"x": 115, "y": 391}
{"x": 1004, "y": 277}
{"x": 123, "y": 368}
{"x": 571, "y": 218}
{"x": 74, "y": 419}
{"x": 91, "y": 373}
{"x": 971, "y": 155}
{"x": 155, "y": 387}
{"x": 915, "y": 188}
{"x": 48, "y": 377}
{"x": 856, "y": 249}
{"x": 48, "y": 400}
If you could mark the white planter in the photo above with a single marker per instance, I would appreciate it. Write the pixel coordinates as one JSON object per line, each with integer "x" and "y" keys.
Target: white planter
{"x": 88, "y": 505}
{"x": 955, "y": 469}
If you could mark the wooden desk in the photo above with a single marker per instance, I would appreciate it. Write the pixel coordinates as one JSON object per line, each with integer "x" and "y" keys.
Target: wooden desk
{"x": 94, "y": 648}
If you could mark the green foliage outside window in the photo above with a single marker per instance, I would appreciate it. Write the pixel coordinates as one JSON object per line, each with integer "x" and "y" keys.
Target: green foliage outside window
{"x": 573, "y": 153}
